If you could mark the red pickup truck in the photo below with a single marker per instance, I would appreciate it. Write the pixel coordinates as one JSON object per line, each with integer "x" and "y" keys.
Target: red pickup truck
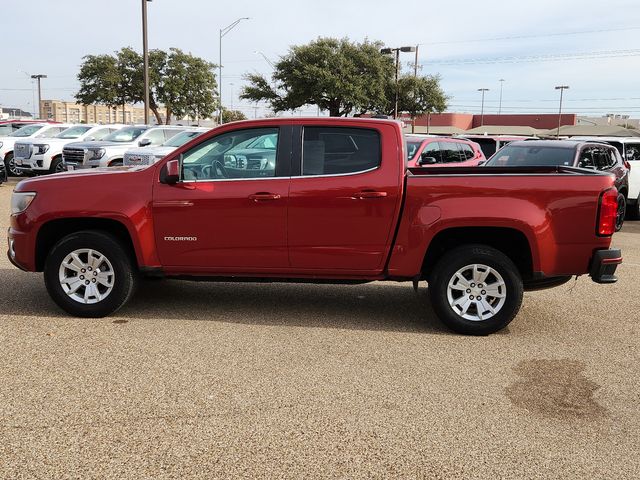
{"x": 316, "y": 200}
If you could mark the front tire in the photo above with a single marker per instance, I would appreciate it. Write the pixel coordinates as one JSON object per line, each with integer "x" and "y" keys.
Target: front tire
{"x": 89, "y": 274}
{"x": 10, "y": 165}
{"x": 476, "y": 290}
{"x": 57, "y": 166}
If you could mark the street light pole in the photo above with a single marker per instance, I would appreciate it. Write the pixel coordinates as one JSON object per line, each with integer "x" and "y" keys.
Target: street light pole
{"x": 145, "y": 59}
{"x": 223, "y": 32}
{"x": 397, "y": 51}
{"x": 562, "y": 88}
{"x": 38, "y": 78}
{"x": 482, "y": 107}
{"x": 500, "y": 105}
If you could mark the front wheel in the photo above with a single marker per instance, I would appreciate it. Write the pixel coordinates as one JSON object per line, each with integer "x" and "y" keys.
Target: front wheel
{"x": 89, "y": 274}
{"x": 57, "y": 165}
{"x": 476, "y": 290}
{"x": 10, "y": 165}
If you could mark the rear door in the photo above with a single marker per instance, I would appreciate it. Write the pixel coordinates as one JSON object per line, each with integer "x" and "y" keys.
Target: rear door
{"x": 344, "y": 197}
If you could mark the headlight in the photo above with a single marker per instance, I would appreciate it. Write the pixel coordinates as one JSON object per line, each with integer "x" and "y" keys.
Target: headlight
{"x": 95, "y": 153}
{"x": 42, "y": 148}
{"x": 20, "y": 201}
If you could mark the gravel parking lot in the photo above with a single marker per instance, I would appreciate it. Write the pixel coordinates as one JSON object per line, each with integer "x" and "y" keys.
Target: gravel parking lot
{"x": 269, "y": 380}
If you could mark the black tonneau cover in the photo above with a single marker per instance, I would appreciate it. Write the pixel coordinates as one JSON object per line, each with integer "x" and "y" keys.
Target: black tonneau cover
{"x": 525, "y": 170}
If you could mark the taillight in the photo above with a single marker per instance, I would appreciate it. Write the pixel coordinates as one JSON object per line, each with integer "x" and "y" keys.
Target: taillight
{"x": 627, "y": 164}
{"x": 607, "y": 212}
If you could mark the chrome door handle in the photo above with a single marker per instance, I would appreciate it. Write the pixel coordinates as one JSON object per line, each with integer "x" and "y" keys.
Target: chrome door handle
{"x": 261, "y": 197}
{"x": 370, "y": 194}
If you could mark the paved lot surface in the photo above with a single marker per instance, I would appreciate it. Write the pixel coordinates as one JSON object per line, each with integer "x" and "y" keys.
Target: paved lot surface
{"x": 244, "y": 380}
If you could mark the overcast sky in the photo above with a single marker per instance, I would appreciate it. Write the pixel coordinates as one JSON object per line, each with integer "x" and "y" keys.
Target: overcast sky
{"x": 532, "y": 45}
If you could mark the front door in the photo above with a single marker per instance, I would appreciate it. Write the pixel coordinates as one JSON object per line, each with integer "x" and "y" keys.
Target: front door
{"x": 229, "y": 211}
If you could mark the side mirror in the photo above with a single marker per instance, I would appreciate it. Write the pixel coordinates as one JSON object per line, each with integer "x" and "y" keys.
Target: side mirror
{"x": 425, "y": 159}
{"x": 170, "y": 173}
{"x": 144, "y": 142}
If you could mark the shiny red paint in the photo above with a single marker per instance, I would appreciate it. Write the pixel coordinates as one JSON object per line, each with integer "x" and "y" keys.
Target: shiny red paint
{"x": 366, "y": 226}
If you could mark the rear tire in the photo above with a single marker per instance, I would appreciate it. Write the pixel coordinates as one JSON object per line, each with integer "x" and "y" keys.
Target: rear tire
{"x": 621, "y": 212}
{"x": 89, "y": 274}
{"x": 485, "y": 274}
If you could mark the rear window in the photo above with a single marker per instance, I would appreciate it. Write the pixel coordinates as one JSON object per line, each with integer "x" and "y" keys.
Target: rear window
{"x": 524, "y": 155}
{"x": 338, "y": 150}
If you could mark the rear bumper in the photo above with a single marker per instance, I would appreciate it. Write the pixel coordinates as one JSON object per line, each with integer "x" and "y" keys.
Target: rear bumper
{"x": 604, "y": 264}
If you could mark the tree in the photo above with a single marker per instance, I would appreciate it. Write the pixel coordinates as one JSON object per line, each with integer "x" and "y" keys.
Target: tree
{"x": 418, "y": 95}
{"x": 185, "y": 84}
{"x": 335, "y": 74}
{"x": 232, "y": 116}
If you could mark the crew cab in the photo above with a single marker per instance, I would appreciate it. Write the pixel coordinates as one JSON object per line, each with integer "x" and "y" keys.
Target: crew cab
{"x": 316, "y": 200}
{"x": 423, "y": 151}
{"x": 44, "y": 155}
{"x": 30, "y": 131}
{"x": 109, "y": 152}
{"x": 149, "y": 155}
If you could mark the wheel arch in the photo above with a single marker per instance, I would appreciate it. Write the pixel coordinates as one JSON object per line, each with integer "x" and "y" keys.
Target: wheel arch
{"x": 510, "y": 241}
{"x": 53, "y": 231}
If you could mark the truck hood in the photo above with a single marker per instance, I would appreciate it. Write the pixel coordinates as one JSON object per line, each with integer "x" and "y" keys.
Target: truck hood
{"x": 94, "y": 174}
{"x": 102, "y": 144}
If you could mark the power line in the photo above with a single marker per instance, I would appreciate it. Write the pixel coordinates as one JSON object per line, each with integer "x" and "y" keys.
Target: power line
{"x": 542, "y": 35}
{"x": 538, "y": 58}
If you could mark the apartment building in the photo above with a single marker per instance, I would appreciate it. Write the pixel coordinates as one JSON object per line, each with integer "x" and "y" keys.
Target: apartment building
{"x": 70, "y": 112}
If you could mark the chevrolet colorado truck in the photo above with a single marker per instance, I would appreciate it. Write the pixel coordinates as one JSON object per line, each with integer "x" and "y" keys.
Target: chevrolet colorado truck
{"x": 316, "y": 200}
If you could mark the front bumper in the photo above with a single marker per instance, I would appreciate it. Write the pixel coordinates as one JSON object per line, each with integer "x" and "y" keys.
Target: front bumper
{"x": 604, "y": 264}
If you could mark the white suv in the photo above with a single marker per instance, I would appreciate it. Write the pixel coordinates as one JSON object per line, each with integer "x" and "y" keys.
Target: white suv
{"x": 110, "y": 151}
{"x": 629, "y": 148}
{"x": 150, "y": 155}
{"x": 31, "y": 131}
{"x": 44, "y": 155}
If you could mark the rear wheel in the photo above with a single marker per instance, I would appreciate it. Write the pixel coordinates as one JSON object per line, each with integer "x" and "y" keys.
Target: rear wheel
{"x": 89, "y": 274}
{"x": 10, "y": 165}
{"x": 622, "y": 209}
{"x": 476, "y": 290}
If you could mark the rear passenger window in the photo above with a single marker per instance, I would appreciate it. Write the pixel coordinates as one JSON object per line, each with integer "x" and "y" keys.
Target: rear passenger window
{"x": 602, "y": 159}
{"x": 338, "y": 150}
{"x": 467, "y": 151}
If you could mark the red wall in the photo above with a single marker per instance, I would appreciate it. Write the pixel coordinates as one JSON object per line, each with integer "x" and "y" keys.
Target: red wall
{"x": 466, "y": 121}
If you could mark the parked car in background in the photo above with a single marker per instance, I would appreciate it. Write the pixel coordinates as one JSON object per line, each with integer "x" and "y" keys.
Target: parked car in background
{"x": 110, "y": 151}
{"x": 316, "y": 200}
{"x": 150, "y": 155}
{"x": 629, "y": 148}
{"x": 490, "y": 144}
{"x": 423, "y": 151}
{"x": 569, "y": 153}
{"x": 31, "y": 131}
{"x": 9, "y": 126}
{"x": 44, "y": 155}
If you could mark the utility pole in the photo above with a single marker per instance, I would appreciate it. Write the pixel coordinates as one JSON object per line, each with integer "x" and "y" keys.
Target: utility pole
{"x": 387, "y": 51}
{"x": 415, "y": 75}
{"x": 145, "y": 59}
{"x": 223, "y": 32}
{"x": 482, "y": 107}
{"x": 38, "y": 78}
{"x": 500, "y": 105}
{"x": 562, "y": 88}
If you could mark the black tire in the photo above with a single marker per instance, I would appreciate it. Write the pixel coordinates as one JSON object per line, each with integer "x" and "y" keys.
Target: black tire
{"x": 10, "y": 166}
{"x": 633, "y": 210}
{"x": 57, "y": 165}
{"x": 621, "y": 212}
{"x": 117, "y": 163}
{"x": 468, "y": 255}
{"x": 124, "y": 273}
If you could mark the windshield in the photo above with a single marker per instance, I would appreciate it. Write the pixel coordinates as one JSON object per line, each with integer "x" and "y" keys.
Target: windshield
{"x": 73, "y": 132}
{"x": 126, "y": 134}
{"x": 26, "y": 131}
{"x": 181, "y": 139}
{"x": 412, "y": 148}
{"x": 523, "y": 155}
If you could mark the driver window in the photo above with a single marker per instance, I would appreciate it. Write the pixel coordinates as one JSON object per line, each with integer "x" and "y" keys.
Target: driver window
{"x": 586, "y": 159}
{"x": 239, "y": 154}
